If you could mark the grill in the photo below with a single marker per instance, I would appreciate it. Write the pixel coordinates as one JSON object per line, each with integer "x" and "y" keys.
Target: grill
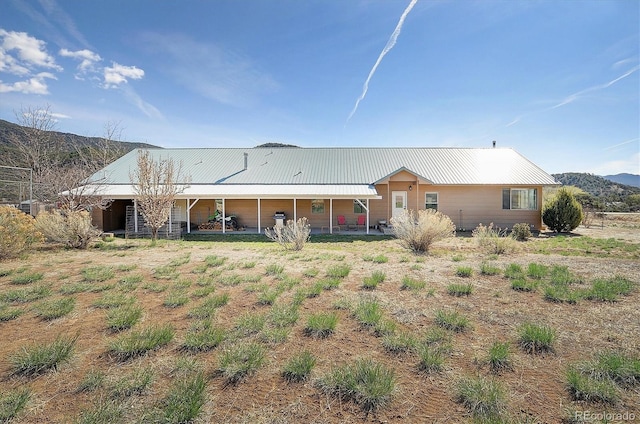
{"x": 279, "y": 217}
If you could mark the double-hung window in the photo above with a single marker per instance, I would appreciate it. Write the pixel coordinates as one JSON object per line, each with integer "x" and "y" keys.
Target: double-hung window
{"x": 317, "y": 206}
{"x": 431, "y": 201}
{"x": 520, "y": 198}
{"x": 357, "y": 206}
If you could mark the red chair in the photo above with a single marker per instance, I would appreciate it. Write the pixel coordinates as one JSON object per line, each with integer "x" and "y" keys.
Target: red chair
{"x": 362, "y": 222}
{"x": 342, "y": 222}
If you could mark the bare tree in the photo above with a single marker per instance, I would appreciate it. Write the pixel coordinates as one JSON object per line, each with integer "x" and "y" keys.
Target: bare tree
{"x": 64, "y": 172}
{"x": 156, "y": 184}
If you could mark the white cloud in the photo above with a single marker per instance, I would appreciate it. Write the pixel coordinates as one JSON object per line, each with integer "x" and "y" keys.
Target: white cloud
{"x": 118, "y": 74}
{"x": 86, "y": 57}
{"x": 145, "y": 107}
{"x": 630, "y": 165}
{"x": 21, "y": 53}
{"x": 33, "y": 85}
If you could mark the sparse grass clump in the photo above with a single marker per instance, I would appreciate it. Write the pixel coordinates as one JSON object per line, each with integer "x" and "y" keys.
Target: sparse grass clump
{"x": 102, "y": 412}
{"x": 140, "y": 342}
{"x": 274, "y": 269}
{"x": 459, "y": 290}
{"x": 499, "y": 356}
{"x": 27, "y": 278}
{"x": 608, "y": 290}
{"x": 176, "y": 298}
{"x": 535, "y": 338}
{"x": 368, "y": 313}
{"x": 208, "y": 306}
{"x": 409, "y": 283}
{"x": 12, "y": 402}
{"x": 338, "y": 271}
{"x": 92, "y": 381}
{"x": 299, "y": 367}
{"x": 537, "y": 271}
{"x": 97, "y": 274}
{"x": 367, "y": 383}
{"x": 113, "y": 300}
{"x": 378, "y": 259}
{"x": 214, "y": 261}
{"x": 134, "y": 383}
{"x": 583, "y": 387}
{"x": 372, "y": 281}
{"x": 431, "y": 357}
{"x": 27, "y": 294}
{"x": 321, "y": 325}
{"x": 452, "y": 320}
{"x": 523, "y": 285}
{"x": 186, "y": 397}
{"x": 464, "y": 271}
{"x": 621, "y": 368}
{"x": 241, "y": 360}
{"x": 203, "y": 336}
{"x": 249, "y": 323}
{"x": 484, "y": 398}
{"x": 123, "y": 317}
{"x": 8, "y": 313}
{"x": 38, "y": 358}
{"x": 52, "y": 309}
{"x": 493, "y": 240}
{"x": 488, "y": 269}
{"x": 399, "y": 342}
{"x": 513, "y": 271}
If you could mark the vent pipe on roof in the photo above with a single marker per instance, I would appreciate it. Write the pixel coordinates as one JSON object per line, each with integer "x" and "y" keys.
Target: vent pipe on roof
{"x": 246, "y": 160}
{"x": 494, "y": 144}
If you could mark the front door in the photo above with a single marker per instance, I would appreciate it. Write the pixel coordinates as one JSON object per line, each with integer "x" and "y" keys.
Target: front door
{"x": 399, "y": 199}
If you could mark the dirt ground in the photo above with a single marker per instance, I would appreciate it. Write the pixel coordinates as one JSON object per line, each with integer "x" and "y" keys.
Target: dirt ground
{"x": 535, "y": 385}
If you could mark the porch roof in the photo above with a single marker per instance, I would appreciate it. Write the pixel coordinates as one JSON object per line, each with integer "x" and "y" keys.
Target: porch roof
{"x": 254, "y": 191}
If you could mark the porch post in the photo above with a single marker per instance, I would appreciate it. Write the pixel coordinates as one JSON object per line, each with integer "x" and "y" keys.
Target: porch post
{"x": 367, "y": 216}
{"x": 224, "y": 215}
{"x": 259, "y": 226}
{"x": 170, "y": 221}
{"x": 330, "y": 216}
{"x": 295, "y": 210}
{"x": 188, "y": 217}
{"x": 135, "y": 215}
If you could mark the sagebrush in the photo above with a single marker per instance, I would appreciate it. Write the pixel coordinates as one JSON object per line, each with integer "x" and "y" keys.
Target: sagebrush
{"x": 17, "y": 232}
{"x": 71, "y": 228}
{"x": 292, "y": 236}
{"x": 417, "y": 231}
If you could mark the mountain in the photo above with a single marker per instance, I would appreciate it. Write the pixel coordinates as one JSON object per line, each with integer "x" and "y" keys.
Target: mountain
{"x": 627, "y": 179}
{"x": 596, "y": 185}
{"x": 10, "y": 131}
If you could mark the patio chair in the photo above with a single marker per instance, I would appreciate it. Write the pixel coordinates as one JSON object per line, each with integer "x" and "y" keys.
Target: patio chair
{"x": 342, "y": 222}
{"x": 362, "y": 222}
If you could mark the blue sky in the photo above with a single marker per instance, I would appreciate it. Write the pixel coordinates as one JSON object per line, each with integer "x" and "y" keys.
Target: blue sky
{"x": 559, "y": 81}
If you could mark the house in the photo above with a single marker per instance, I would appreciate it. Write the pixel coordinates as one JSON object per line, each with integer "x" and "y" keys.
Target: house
{"x": 470, "y": 185}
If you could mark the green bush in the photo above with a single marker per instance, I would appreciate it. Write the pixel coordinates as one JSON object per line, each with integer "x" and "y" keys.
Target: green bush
{"x": 521, "y": 231}
{"x": 418, "y": 231}
{"x": 17, "y": 232}
{"x": 562, "y": 213}
{"x": 71, "y": 228}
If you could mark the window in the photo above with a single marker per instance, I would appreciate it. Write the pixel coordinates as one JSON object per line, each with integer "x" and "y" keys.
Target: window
{"x": 431, "y": 201}
{"x": 358, "y": 206}
{"x": 520, "y": 198}
{"x": 317, "y": 206}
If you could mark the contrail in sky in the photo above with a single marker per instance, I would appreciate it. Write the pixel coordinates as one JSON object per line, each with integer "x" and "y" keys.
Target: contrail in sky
{"x": 387, "y": 48}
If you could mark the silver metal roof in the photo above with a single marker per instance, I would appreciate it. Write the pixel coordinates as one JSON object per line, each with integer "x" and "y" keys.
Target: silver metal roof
{"x": 339, "y": 166}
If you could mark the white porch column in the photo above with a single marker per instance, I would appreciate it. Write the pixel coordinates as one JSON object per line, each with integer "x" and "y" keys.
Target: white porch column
{"x": 135, "y": 215}
{"x": 170, "y": 220}
{"x": 189, "y": 214}
{"x": 295, "y": 210}
{"x": 259, "y": 225}
{"x": 367, "y": 216}
{"x": 224, "y": 215}
{"x": 330, "y": 216}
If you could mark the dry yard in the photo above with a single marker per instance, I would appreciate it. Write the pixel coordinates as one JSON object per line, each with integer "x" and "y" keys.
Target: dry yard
{"x": 262, "y": 297}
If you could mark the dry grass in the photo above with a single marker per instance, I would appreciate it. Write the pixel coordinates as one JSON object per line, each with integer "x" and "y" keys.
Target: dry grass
{"x": 532, "y": 385}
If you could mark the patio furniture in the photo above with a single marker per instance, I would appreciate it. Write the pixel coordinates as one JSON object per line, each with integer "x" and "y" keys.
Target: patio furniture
{"x": 362, "y": 222}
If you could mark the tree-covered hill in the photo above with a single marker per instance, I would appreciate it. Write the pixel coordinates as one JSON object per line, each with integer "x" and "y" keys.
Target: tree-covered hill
{"x": 613, "y": 196}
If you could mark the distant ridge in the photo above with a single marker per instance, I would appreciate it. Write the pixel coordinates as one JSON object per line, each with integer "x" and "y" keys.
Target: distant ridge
{"x": 10, "y": 131}
{"x": 624, "y": 178}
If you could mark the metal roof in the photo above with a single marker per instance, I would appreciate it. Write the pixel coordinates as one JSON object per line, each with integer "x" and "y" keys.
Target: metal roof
{"x": 318, "y": 167}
